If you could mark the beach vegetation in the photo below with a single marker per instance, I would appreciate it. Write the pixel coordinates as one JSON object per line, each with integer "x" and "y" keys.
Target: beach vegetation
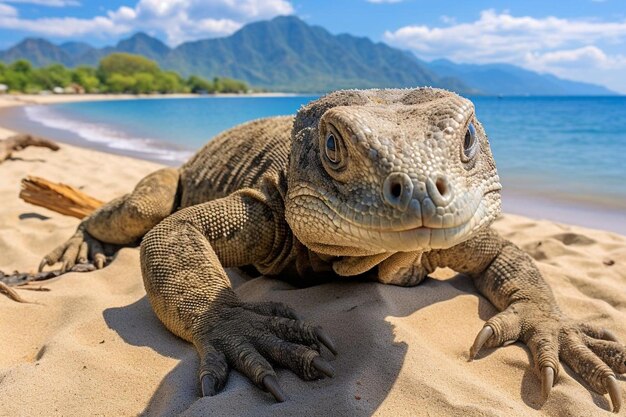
{"x": 116, "y": 73}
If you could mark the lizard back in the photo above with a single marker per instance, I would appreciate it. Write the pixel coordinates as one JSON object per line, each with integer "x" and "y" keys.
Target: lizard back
{"x": 237, "y": 158}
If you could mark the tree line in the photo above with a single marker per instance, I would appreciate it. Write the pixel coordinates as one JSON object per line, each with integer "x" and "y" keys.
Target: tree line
{"x": 116, "y": 73}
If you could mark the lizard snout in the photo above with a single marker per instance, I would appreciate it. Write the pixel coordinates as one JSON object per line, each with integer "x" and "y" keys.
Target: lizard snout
{"x": 439, "y": 190}
{"x": 428, "y": 204}
{"x": 398, "y": 190}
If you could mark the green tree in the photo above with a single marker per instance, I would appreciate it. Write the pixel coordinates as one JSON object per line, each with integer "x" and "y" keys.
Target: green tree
{"x": 169, "y": 82}
{"x": 55, "y": 75}
{"x": 18, "y": 76}
{"x": 144, "y": 83}
{"x": 87, "y": 78}
{"x": 229, "y": 85}
{"x": 21, "y": 66}
{"x": 199, "y": 85}
{"x": 120, "y": 83}
{"x": 116, "y": 73}
{"x": 126, "y": 64}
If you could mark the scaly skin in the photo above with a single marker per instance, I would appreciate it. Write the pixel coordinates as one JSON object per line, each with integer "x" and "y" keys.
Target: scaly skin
{"x": 387, "y": 183}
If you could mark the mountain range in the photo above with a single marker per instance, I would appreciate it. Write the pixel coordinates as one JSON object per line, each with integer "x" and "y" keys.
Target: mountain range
{"x": 287, "y": 54}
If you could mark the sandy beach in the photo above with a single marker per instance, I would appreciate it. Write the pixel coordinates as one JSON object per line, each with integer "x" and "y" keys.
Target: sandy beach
{"x": 11, "y": 100}
{"x": 91, "y": 345}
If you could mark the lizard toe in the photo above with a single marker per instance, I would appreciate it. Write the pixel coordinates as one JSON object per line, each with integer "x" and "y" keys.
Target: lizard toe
{"x": 302, "y": 360}
{"x": 96, "y": 251}
{"x": 612, "y": 353}
{"x": 502, "y": 329}
{"x": 213, "y": 369}
{"x": 245, "y": 358}
{"x": 271, "y": 385}
{"x": 544, "y": 347}
{"x": 587, "y": 359}
{"x": 598, "y": 332}
{"x": 52, "y": 257}
{"x": 77, "y": 250}
{"x": 299, "y": 331}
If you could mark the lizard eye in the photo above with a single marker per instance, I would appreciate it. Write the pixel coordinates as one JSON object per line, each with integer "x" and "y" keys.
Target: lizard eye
{"x": 335, "y": 152}
{"x": 470, "y": 144}
{"x": 331, "y": 148}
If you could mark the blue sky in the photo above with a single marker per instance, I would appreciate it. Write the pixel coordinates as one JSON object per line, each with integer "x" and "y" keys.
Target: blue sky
{"x": 576, "y": 39}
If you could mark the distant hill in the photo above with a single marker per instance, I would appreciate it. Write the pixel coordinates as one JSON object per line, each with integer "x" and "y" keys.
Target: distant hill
{"x": 505, "y": 79}
{"x": 286, "y": 54}
{"x": 74, "y": 49}
{"x": 142, "y": 44}
{"x": 39, "y": 52}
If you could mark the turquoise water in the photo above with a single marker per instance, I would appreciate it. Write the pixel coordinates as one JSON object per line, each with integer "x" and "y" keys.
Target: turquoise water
{"x": 569, "y": 147}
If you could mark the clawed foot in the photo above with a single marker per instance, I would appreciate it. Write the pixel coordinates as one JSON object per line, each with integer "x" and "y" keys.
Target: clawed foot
{"x": 593, "y": 353}
{"x": 250, "y": 335}
{"x": 76, "y": 253}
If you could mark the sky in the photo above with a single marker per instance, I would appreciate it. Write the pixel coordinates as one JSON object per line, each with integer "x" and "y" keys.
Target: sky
{"x": 581, "y": 40}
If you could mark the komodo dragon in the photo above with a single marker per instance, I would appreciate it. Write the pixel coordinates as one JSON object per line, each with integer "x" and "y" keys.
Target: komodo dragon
{"x": 387, "y": 183}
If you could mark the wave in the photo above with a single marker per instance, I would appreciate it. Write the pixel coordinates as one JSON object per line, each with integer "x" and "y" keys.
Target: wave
{"x": 107, "y": 135}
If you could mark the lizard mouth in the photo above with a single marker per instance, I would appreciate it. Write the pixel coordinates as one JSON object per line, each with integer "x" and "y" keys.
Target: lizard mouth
{"x": 379, "y": 234}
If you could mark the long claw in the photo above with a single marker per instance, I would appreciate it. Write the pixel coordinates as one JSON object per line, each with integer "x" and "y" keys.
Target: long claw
{"x": 480, "y": 340}
{"x": 547, "y": 381}
{"x": 82, "y": 254}
{"x": 609, "y": 335}
{"x": 99, "y": 261}
{"x": 326, "y": 340}
{"x": 208, "y": 385}
{"x": 42, "y": 265}
{"x": 64, "y": 267}
{"x": 610, "y": 383}
{"x": 271, "y": 384}
{"x": 324, "y": 367}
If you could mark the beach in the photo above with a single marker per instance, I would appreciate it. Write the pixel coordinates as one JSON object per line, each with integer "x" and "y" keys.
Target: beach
{"x": 91, "y": 345}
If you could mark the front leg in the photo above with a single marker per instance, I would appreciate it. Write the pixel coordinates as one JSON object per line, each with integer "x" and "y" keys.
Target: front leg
{"x": 183, "y": 261}
{"x": 509, "y": 278}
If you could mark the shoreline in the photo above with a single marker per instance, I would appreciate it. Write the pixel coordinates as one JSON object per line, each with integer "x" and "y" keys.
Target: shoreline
{"x": 12, "y": 121}
{"x": 15, "y": 100}
{"x": 585, "y": 211}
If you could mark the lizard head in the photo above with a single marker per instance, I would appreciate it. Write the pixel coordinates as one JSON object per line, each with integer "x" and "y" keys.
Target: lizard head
{"x": 375, "y": 171}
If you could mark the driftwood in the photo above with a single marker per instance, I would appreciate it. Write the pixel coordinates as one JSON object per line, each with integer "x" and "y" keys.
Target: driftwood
{"x": 58, "y": 197}
{"x": 11, "y": 293}
{"x": 17, "y": 279}
{"x": 21, "y": 141}
{"x": 24, "y": 280}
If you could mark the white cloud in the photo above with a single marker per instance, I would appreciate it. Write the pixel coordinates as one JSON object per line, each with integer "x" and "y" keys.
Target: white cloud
{"x": 49, "y": 3}
{"x": 503, "y": 36}
{"x": 7, "y": 11}
{"x": 548, "y": 44}
{"x": 586, "y": 56}
{"x": 177, "y": 20}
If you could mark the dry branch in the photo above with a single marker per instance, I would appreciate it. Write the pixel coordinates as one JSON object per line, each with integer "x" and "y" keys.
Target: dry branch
{"x": 58, "y": 197}
{"x": 11, "y": 293}
{"x": 21, "y": 141}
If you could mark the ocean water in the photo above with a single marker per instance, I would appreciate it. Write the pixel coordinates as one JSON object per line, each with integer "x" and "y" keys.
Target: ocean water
{"x": 569, "y": 148}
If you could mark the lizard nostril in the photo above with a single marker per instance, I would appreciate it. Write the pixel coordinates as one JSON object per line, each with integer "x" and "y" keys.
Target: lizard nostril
{"x": 442, "y": 186}
{"x": 396, "y": 190}
{"x": 440, "y": 190}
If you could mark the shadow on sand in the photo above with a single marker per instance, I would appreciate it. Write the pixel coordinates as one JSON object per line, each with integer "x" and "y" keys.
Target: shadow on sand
{"x": 354, "y": 313}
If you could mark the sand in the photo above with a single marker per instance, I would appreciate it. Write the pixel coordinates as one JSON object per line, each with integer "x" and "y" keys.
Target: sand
{"x": 92, "y": 346}
{"x": 11, "y": 100}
